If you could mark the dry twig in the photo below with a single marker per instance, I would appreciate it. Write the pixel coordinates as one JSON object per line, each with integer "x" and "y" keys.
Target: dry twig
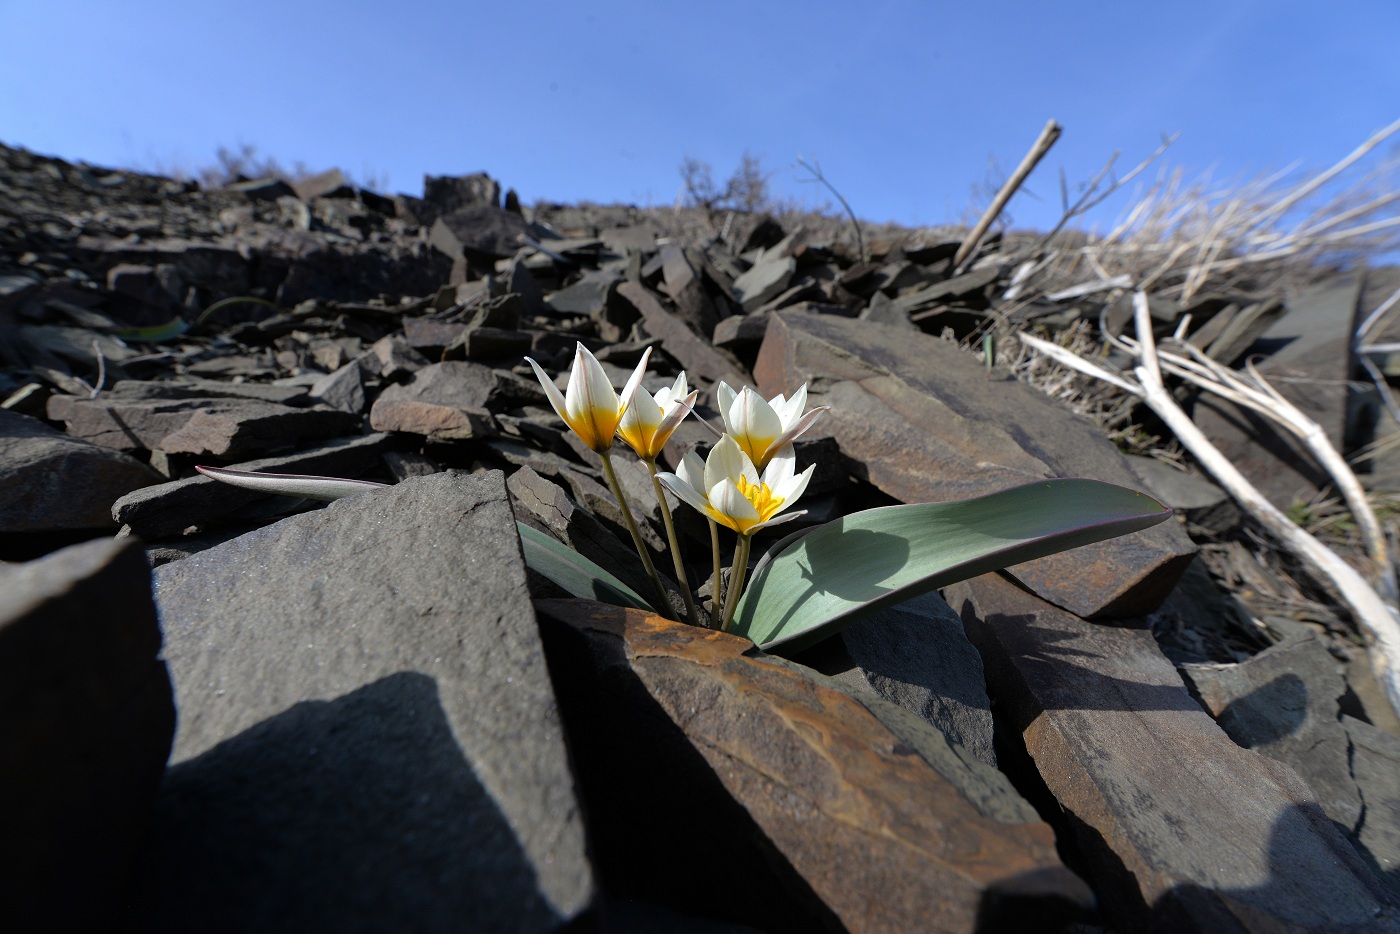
{"x": 1378, "y": 618}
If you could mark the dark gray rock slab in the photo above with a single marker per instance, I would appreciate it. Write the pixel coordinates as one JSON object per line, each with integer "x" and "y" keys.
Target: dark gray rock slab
{"x": 50, "y": 482}
{"x": 481, "y": 232}
{"x": 766, "y": 280}
{"x": 834, "y": 817}
{"x": 1310, "y": 364}
{"x": 218, "y": 427}
{"x": 1375, "y": 765}
{"x": 466, "y": 384}
{"x": 703, "y": 362}
{"x": 1283, "y": 703}
{"x": 919, "y": 419}
{"x": 917, "y": 656}
{"x": 684, "y": 285}
{"x": 166, "y": 508}
{"x": 448, "y": 193}
{"x": 86, "y": 720}
{"x": 343, "y": 389}
{"x": 1204, "y": 504}
{"x": 367, "y": 727}
{"x": 1182, "y": 829}
{"x": 135, "y": 390}
{"x": 451, "y": 400}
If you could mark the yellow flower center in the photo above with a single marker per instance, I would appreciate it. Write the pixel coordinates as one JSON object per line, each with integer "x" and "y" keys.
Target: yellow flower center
{"x": 764, "y": 503}
{"x": 755, "y": 448}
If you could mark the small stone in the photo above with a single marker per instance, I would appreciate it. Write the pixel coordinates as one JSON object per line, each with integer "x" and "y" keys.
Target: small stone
{"x": 343, "y": 390}
{"x": 51, "y": 482}
{"x": 764, "y": 281}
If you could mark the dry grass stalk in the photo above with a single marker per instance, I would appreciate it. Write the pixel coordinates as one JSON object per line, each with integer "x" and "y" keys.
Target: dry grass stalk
{"x": 1048, "y": 134}
{"x": 1184, "y": 238}
{"x": 1378, "y": 618}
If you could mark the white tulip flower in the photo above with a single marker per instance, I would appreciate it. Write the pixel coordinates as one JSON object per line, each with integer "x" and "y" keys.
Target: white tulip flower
{"x": 590, "y": 406}
{"x": 763, "y": 428}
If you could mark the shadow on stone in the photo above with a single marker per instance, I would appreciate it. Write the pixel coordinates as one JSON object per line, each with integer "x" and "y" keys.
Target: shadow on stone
{"x": 354, "y": 814}
{"x": 664, "y": 829}
{"x": 1270, "y": 712}
{"x": 1277, "y": 901}
{"x": 1094, "y": 690}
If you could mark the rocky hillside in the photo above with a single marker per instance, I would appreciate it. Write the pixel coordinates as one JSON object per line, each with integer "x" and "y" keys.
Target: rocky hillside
{"x": 231, "y": 710}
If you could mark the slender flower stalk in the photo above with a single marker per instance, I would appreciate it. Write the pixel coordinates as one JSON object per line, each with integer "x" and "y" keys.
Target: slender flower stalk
{"x": 692, "y": 615}
{"x": 714, "y": 553}
{"x": 736, "y": 580}
{"x": 664, "y": 604}
{"x": 647, "y": 424}
{"x": 691, "y": 471}
{"x": 593, "y": 411}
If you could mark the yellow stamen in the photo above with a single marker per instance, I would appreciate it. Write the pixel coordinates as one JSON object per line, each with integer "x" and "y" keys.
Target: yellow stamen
{"x": 763, "y": 501}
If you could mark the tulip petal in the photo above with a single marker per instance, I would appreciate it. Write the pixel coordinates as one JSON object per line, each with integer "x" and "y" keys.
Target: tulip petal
{"x": 590, "y": 404}
{"x": 691, "y": 470}
{"x": 635, "y": 380}
{"x": 754, "y": 424}
{"x": 801, "y": 425}
{"x": 639, "y": 425}
{"x": 729, "y": 502}
{"x": 794, "y": 487}
{"x": 789, "y": 411}
{"x": 556, "y": 398}
{"x": 595, "y": 388}
{"x": 778, "y": 520}
{"x": 725, "y": 462}
{"x": 781, "y": 467}
{"x": 671, "y": 422}
{"x": 724, "y": 399}
{"x": 684, "y": 491}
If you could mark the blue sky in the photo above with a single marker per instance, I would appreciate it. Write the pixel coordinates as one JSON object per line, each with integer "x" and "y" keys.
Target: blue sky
{"x": 904, "y": 104}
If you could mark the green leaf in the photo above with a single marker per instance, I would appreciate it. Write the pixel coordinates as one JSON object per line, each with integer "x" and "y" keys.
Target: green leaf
{"x": 325, "y": 489}
{"x": 832, "y": 575}
{"x": 178, "y": 326}
{"x": 575, "y": 573}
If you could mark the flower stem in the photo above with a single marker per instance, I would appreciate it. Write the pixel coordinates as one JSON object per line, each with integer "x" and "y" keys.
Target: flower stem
{"x": 714, "y": 586}
{"x": 664, "y": 605}
{"x": 692, "y": 616}
{"x": 736, "y": 580}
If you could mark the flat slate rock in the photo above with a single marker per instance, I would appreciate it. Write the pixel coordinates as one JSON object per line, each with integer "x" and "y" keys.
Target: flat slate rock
{"x": 703, "y": 362}
{"x": 51, "y": 482}
{"x": 1284, "y": 703}
{"x": 86, "y": 720}
{"x": 916, "y": 655}
{"x": 217, "y": 427}
{"x": 696, "y": 751}
{"x": 1183, "y": 829}
{"x": 920, "y": 420}
{"x": 367, "y": 728}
